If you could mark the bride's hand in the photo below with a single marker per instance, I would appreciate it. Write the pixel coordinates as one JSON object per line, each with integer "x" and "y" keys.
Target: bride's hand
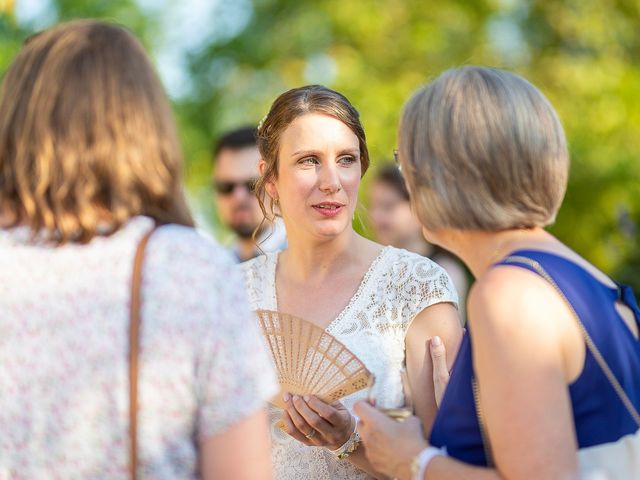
{"x": 315, "y": 423}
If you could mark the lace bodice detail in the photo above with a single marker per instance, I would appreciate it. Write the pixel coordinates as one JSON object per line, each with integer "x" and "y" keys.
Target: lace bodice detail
{"x": 397, "y": 286}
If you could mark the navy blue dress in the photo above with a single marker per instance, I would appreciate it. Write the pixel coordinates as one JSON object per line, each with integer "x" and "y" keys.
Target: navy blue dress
{"x": 599, "y": 414}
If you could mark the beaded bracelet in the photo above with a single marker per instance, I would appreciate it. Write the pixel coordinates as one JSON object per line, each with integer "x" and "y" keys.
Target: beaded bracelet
{"x": 350, "y": 446}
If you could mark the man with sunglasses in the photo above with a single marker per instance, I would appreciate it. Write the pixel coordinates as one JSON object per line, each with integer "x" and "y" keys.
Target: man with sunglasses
{"x": 235, "y": 171}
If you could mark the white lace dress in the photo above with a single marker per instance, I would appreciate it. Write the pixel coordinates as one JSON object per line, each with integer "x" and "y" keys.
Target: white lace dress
{"x": 397, "y": 286}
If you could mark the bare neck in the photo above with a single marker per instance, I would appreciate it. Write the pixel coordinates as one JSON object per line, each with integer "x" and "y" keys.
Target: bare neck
{"x": 306, "y": 260}
{"x": 479, "y": 250}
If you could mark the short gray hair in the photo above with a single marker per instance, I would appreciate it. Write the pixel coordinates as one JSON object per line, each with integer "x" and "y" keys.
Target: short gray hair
{"x": 483, "y": 149}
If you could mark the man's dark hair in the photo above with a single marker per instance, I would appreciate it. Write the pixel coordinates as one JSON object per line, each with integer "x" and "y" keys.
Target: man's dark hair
{"x": 235, "y": 140}
{"x": 390, "y": 175}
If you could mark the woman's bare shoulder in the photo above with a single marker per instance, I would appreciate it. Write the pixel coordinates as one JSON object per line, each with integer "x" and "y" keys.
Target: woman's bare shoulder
{"x": 509, "y": 297}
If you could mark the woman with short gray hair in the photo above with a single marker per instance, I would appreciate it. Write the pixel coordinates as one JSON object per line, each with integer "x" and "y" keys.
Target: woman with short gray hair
{"x": 485, "y": 159}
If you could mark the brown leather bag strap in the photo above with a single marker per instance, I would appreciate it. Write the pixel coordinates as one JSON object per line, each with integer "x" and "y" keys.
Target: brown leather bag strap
{"x": 134, "y": 346}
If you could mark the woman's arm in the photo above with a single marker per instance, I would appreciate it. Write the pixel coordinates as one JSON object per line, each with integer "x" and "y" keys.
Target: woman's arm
{"x": 526, "y": 349}
{"x": 525, "y": 354}
{"x": 392, "y": 446}
{"x": 442, "y": 321}
{"x": 242, "y": 452}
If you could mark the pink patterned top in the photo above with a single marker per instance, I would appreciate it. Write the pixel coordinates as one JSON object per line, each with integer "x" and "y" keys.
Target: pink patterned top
{"x": 63, "y": 353}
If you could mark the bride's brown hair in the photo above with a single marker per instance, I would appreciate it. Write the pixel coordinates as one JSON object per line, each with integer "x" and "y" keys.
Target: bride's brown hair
{"x": 291, "y": 105}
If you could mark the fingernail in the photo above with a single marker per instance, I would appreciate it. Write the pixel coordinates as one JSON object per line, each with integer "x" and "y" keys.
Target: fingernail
{"x": 296, "y": 398}
{"x": 307, "y": 398}
{"x": 436, "y": 342}
{"x": 286, "y": 397}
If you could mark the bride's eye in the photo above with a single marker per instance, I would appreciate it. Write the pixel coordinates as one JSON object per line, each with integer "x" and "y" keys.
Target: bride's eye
{"x": 308, "y": 161}
{"x": 347, "y": 160}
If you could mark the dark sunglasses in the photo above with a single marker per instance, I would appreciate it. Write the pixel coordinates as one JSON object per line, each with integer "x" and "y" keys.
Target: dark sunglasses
{"x": 227, "y": 188}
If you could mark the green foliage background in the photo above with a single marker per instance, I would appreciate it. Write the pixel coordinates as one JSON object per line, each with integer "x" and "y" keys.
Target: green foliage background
{"x": 583, "y": 54}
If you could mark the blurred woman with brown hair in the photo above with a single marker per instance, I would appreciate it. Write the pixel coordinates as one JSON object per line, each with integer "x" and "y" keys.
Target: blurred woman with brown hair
{"x": 89, "y": 166}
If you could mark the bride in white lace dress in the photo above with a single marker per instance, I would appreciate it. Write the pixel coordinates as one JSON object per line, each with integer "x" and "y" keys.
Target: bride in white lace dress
{"x": 379, "y": 301}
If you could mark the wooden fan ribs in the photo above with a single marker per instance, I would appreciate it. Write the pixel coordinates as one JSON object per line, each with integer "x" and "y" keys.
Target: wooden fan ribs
{"x": 309, "y": 360}
{"x": 332, "y": 370}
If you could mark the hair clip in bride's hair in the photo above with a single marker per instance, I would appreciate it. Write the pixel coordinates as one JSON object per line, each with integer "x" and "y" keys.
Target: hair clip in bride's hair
{"x": 262, "y": 122}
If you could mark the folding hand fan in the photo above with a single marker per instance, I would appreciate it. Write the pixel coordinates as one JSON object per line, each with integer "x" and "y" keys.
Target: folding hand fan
{"x": 309, "y": 361}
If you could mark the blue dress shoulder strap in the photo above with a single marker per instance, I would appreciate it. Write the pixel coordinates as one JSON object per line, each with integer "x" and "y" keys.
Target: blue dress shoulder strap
{"x": 598, "y": 413}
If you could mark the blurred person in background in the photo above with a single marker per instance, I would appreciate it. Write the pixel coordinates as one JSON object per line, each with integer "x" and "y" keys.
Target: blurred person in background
{"x": 395, "y": 223}
{"x": 235, "y": 159}
{"x": 486, "y": 162}
{"x": 89, "y": 167}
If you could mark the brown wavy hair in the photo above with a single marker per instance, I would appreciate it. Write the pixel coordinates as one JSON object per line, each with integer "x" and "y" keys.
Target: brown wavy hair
{"x": 87, "y": 138}
{"x": 291, "y": 105}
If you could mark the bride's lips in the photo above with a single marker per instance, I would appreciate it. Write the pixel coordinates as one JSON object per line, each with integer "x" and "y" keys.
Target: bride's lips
{"x": 328, "y": 209}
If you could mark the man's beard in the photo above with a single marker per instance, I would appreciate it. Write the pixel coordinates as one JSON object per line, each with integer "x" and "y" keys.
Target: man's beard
{"x": 245, "y": 225}
{"x": 244, "y": 230}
